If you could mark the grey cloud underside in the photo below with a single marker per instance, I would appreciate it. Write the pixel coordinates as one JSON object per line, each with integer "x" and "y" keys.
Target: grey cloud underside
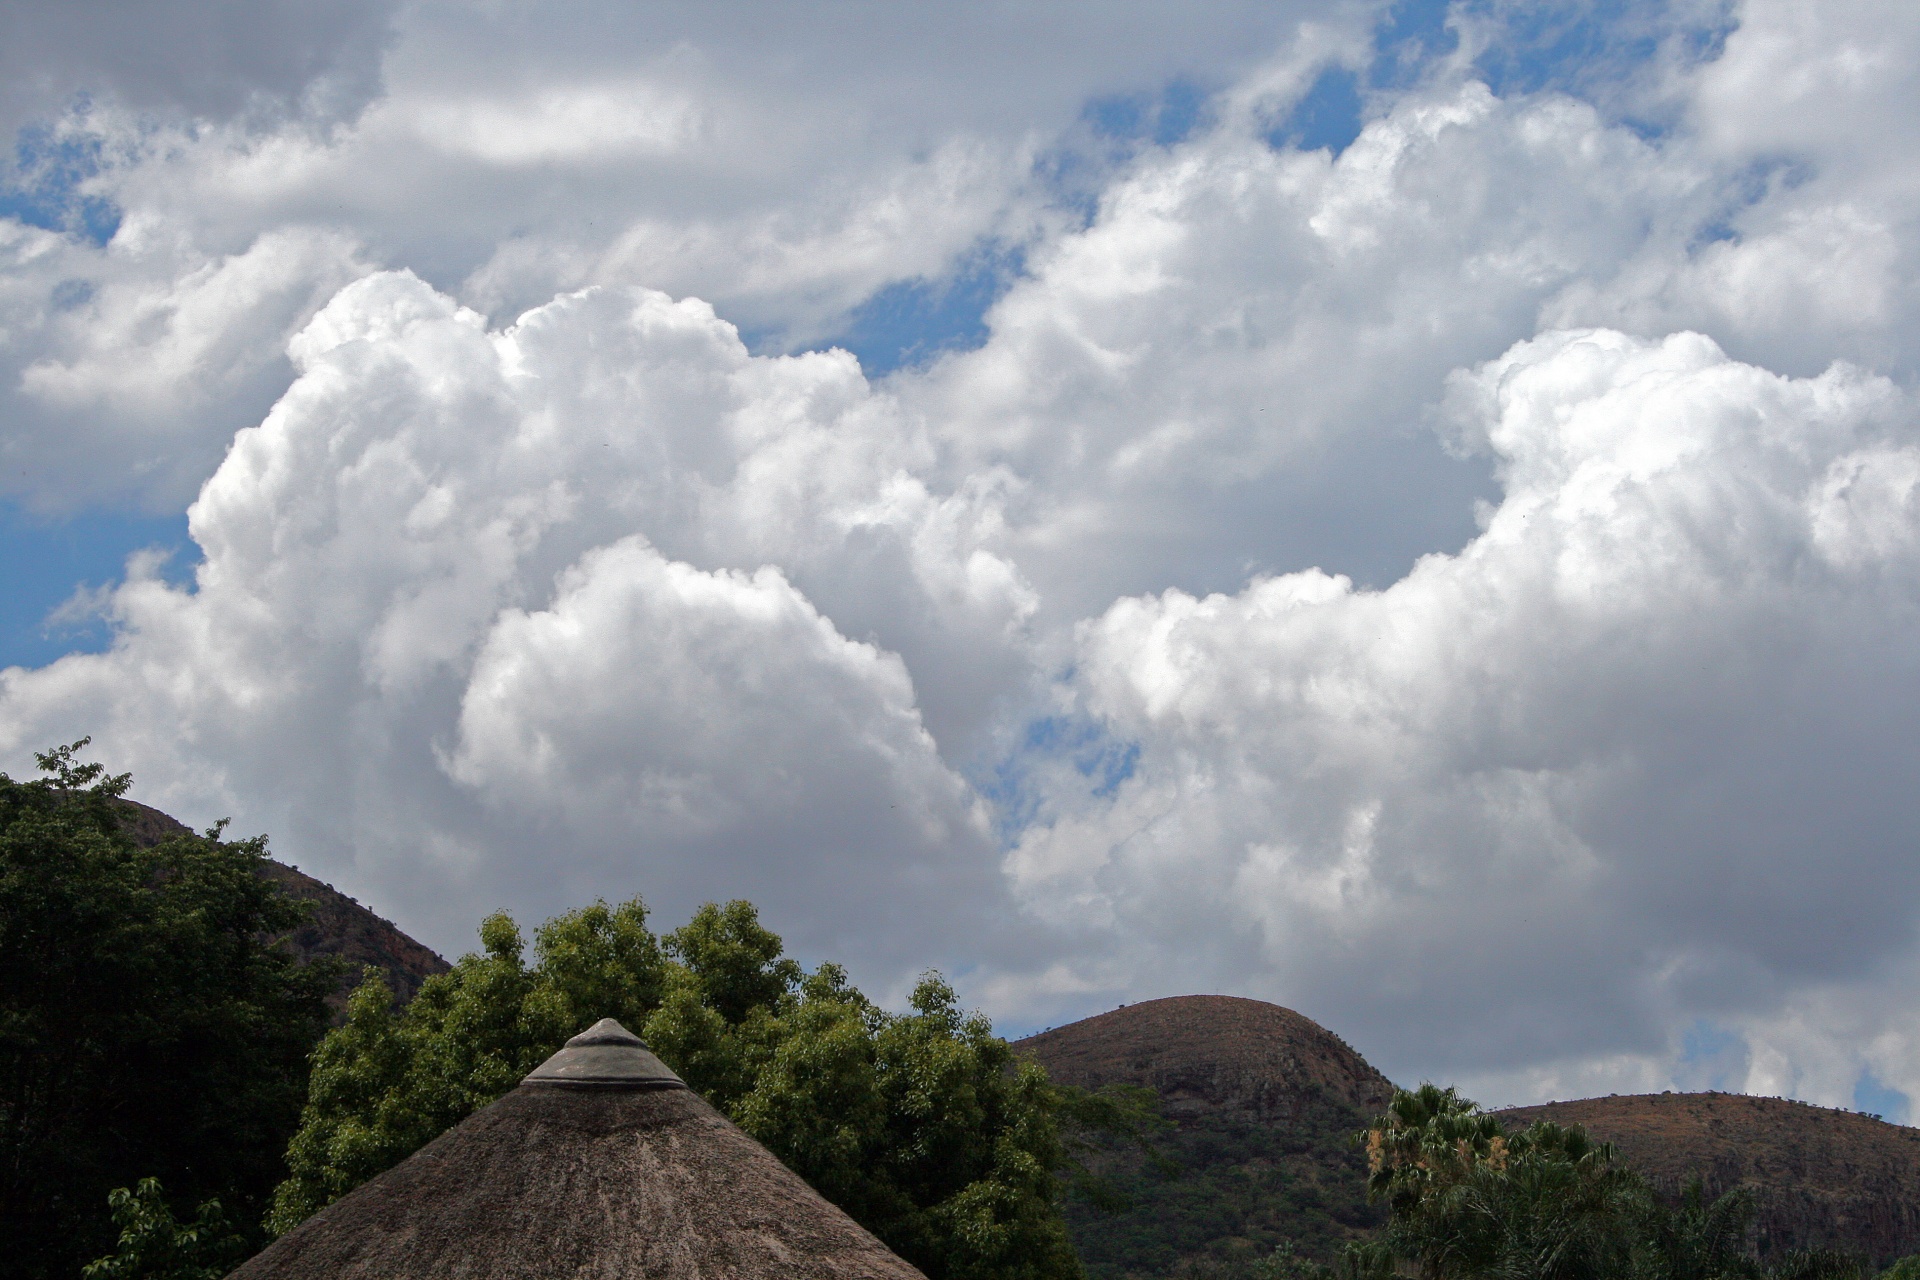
{"x": 217, "y": 58}
{"x": 1037, "y": 663}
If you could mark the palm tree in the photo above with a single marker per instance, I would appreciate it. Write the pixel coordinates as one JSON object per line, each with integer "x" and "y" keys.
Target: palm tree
{"x": 1469, "y": 1199}
{"x": 1697, "y": 1239}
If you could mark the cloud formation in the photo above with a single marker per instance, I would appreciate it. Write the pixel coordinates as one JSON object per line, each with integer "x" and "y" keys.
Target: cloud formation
{"x": 1456, "y": 583}
{"x": 1631, "y": 752}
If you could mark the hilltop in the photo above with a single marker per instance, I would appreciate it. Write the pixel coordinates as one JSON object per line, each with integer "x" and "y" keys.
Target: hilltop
{"x": 1212, "y": 1053}
{"x": 1822, "y": 1178}
{"x": 1263, "y": 1102}
{"x": 340, "y": 927}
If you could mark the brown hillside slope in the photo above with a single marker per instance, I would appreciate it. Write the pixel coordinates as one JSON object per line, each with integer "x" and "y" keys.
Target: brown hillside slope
{"x": 1264, "y": 1104}
{"x": 1822, "y": 1178}
{"x": 340, "y": 926}
{"x": 1210, "y": 1053}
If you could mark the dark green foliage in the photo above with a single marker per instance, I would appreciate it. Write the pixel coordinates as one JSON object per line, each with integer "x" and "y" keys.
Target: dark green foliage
{"x": 148, "y": 1026}
{"x": 1557, "y": 1209}
{"x": 1820, "y": 1264}
{"x": 1697, "y": 1238}
{"x": 1219, "y": 1193}
{"x": 1096, "y": 1123}
{"x": 155, "y": 1246}
{"x": 922, "y": 1125}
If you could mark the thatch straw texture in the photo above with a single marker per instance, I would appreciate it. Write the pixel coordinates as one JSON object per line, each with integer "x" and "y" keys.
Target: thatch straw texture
{"x": 558, "y": 1180}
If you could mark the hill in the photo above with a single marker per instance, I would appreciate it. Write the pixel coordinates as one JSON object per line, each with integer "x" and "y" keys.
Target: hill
{"x": 1822, "y": 1178}
{"x": 340, "y": 926}
{"x": 1262, "y": 1102}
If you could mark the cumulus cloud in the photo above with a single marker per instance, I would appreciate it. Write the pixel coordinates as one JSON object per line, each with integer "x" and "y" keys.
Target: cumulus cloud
{"x": 783, "y": 165}
{"x": 1813, "y": 258}
{"x": 1453, "y": 583}
{"x": 450, "y": 635}
{"x": 1232, "y": 368}
{"x": 1630, "y": 752}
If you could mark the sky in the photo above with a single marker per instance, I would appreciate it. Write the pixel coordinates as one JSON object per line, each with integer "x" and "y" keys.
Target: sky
{"x": 1406, "y": 510}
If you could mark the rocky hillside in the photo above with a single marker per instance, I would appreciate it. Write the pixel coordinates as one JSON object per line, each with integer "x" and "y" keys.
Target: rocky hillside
{"x": 1206, "y": 1054}
{"x": 1263, "y": 1103}
{"x": 1823, "y": 1178}
{"x": 340, "y": 927}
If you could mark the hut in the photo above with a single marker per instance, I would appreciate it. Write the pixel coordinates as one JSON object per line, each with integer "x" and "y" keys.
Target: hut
{"x": 602, "y": 1163}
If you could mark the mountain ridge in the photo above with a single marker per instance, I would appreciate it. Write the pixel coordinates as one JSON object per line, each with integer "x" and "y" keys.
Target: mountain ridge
{"x": 1822, "y": 1177}
{"x": 340, "y": 928}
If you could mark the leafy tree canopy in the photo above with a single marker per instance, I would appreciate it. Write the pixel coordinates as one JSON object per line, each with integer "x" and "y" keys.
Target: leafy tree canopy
{"x": 148, "y": 1025}
{"x": 156, "y": 1246}
{"x": 923, "y": 1126}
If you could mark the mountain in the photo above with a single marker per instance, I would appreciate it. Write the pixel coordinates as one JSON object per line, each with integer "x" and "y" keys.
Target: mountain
{"x": 340, "y": 927}
{"x": 1262, "y": 1102}
{"x": 1822, "y": 1178}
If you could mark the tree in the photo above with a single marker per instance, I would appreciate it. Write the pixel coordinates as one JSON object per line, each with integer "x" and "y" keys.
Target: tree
{"x": 1697, "y": 1238}
{"x": 1555, "y": 1208}
{"x": 923, "y": 1125}
{"x": 1423, "y": 1146}
{"x": 149, "y": 1027}
{"x": 1470, "y": 1199}
{"x": 155, "y": 1246}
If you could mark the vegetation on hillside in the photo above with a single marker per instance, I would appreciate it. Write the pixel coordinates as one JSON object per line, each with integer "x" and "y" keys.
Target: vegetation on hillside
{"x": 1219, "y": 1192}
{"x": 148, "y": 1026}
{"x": 1470, "y": 1199}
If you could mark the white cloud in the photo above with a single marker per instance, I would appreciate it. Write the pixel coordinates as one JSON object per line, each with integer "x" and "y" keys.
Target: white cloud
{"x": 132, "y": 365}
{"x": 1812, "y": 110}
{"x": 430, "y": 618}
{"x": 1624, "y": 755}
{"x": 1263, "y": 333}
{"x": 782, "y": 165}
{"x": 655, "y": 710}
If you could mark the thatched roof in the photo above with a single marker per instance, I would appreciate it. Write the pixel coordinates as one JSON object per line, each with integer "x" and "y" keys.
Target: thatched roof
{"x": 601, "y": 1164}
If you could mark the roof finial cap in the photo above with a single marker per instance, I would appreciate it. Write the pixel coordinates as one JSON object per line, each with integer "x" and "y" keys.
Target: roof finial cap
{"x": 605, "y": 1056}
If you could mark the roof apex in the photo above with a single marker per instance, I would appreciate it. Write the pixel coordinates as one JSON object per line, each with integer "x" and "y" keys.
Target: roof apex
{"x": 606, "y": 1031}
{"x": 605, "y": 1056}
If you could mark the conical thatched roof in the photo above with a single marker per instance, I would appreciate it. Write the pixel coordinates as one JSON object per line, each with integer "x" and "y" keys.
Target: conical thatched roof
{"x": 601, "y": 1164}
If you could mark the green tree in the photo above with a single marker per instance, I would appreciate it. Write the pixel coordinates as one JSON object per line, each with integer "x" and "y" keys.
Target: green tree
{"x": 156, "y": 1246}
{"x": 1556, "y": 1207}
{"x": 1470, "y": 1199}
{"x": 1697, "y": 1238}
{"x": 149, "y": 1027}
{"x": 1420, "y": 1153}
{"x": 923, "y": 1125}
